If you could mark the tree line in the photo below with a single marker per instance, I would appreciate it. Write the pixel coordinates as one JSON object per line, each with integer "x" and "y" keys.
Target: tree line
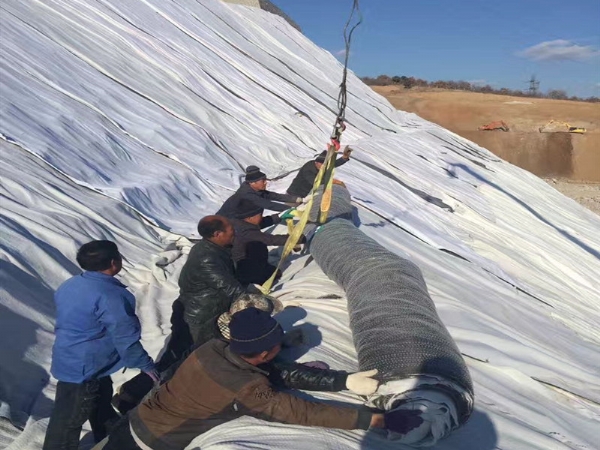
{"x": 413, "y": 82}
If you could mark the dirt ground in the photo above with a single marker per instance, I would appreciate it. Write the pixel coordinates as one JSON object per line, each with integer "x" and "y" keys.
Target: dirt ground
{"x": 461, "y": 111}
{"x": 569, "y": 162}
{"x": 550, "y": 155}
{"x": 586, "y": 194}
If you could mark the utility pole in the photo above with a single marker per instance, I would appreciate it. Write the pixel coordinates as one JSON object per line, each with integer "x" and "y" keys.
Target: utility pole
{"x": 534, "y": 84}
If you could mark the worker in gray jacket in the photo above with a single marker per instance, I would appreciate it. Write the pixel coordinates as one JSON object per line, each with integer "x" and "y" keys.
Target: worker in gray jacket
{"x": 254, "y": 189}
{"x": 250, "y": 247}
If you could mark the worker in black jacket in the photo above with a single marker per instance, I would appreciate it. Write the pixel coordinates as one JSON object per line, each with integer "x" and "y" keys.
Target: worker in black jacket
{"x": 207, "y": 283}
{"x": 250, "y": 252}
{"x": 254, "y": 189}
{"x": 303, "y": 183}
{"x": 207, "y": 286}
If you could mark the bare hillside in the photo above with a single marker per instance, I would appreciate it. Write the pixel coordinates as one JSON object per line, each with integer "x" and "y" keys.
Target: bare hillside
{"x": 563, "y": 155}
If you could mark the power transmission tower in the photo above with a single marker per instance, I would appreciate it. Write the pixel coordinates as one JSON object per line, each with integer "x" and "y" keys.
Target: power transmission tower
{"x": 534, "y": 84}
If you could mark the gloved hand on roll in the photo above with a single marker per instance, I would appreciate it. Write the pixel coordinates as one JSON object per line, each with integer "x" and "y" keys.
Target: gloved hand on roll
{"x": 288, "y": 214}
{"x": 402, "y": 420}
{"x": 362, "y": 383}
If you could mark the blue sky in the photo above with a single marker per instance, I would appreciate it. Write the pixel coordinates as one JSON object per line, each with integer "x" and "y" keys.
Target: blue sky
{"x": 497, "y": 42}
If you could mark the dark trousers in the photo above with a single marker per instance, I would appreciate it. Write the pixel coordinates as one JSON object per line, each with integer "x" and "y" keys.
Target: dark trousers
{"x": 255, "y": 267}
{"x": 133, "y": 391}
{"x": 120, "y": 437}
{"x": 255, "y": 272}
{"x": 75, "y": 404}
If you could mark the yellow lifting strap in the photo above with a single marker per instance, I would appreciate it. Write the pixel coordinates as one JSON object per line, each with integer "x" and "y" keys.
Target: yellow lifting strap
{"x": 327, "y": 168}
{"x": 326, "y": 198}
{"x": 298, "y": 229}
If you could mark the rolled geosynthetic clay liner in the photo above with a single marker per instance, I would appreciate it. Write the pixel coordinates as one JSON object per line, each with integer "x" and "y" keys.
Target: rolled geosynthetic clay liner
{"x": 394, "y": 324}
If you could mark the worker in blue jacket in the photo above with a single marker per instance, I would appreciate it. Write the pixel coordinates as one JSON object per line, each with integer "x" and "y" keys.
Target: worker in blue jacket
{"x": 97, "y": 333}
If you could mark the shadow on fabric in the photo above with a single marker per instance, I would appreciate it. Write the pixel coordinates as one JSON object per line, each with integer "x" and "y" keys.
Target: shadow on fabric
{"x": 21, "y": 379}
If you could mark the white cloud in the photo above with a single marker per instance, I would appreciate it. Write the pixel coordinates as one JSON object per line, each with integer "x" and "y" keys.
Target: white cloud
{"x": 559, "y": 50}
{"x": 341, "y": 53}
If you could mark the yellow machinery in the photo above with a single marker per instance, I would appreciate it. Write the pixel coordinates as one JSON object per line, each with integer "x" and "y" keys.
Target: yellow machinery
{"x": 556, "y": 126}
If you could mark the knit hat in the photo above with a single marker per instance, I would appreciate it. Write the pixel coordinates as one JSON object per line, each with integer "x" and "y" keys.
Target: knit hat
{"x": 247, "y": 208}
{"x": 253, "y": 174}
{"x": 253, "y": 331}
{"x": 321, "y": 157}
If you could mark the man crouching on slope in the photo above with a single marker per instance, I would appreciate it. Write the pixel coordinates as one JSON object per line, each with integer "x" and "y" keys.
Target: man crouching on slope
{"x": 97, "y": 333}
{"x": 222, "y": 381}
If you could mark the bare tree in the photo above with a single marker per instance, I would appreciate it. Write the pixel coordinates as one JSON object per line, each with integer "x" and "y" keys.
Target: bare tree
{"x": 557, "y": 94}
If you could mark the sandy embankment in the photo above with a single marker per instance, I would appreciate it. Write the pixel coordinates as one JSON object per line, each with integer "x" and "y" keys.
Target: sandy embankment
{"x": 569, "y": 162}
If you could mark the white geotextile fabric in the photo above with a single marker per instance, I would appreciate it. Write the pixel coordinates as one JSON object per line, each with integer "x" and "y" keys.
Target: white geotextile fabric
{"x": 125, "y": 109}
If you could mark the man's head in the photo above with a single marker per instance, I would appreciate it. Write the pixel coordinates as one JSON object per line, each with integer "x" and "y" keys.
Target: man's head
{"x": 255, "y": 336}
{"x": 255, "y": 178}
{"x": 248, "y": 211}
{"x": 319, "y": 160}
{"x": 100, "y": 256}
{"x": 217, "y": 229}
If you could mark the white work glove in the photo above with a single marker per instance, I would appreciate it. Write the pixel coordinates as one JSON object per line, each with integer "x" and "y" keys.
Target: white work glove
{"x": 361, "y": 383}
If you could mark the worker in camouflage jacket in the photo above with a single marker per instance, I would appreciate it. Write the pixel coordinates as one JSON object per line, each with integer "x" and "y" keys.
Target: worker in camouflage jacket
{"x": 254, "y": 189}
{"x": 222, "y": 381}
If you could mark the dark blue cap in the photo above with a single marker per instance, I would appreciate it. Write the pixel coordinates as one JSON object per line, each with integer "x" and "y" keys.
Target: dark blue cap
{"x": 253, "y": 331}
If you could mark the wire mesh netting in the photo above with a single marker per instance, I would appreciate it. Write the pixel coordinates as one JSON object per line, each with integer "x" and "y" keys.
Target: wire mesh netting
{"x": 394, "y": 322}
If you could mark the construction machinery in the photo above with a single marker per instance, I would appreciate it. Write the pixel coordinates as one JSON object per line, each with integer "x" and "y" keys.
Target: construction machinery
{"x": 555, "y": 126}
{"x": 497, "y": 125}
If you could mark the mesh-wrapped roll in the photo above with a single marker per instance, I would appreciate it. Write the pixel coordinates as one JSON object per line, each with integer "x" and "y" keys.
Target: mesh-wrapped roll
{"x": 394, "y": 323}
